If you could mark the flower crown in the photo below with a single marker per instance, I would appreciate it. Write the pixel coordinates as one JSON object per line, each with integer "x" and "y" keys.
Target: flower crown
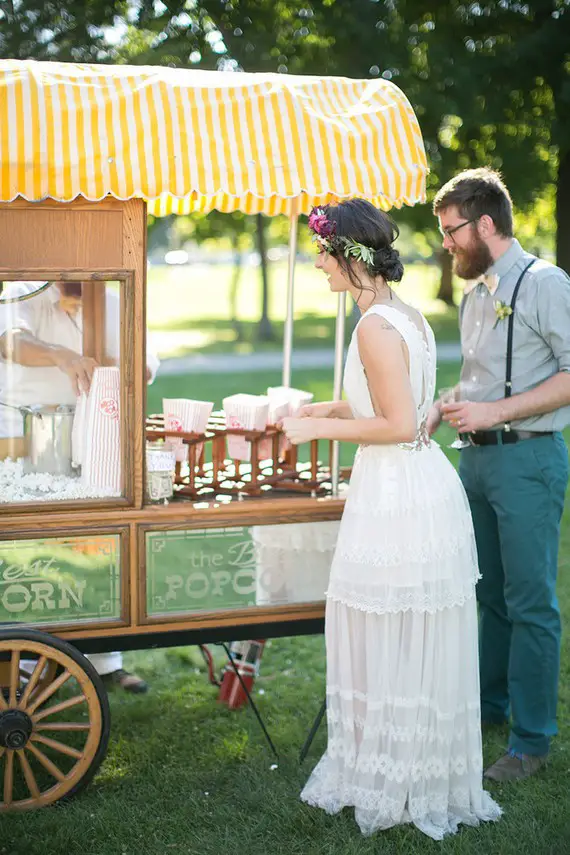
{"x": 324, "y": 233}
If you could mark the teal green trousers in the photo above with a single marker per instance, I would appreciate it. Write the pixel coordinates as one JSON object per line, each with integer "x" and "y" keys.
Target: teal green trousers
{"x": 516, "y": 493}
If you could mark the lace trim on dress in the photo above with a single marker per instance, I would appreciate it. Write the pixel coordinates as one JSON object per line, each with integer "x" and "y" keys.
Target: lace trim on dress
{"x": 422, "y": 440}
{"x": 433, "y": 766}
{"x": 392, "y": 555}
{"x": 422, "y": 701}
{"x": 412, "y": 601}
{"x": 438, "y": 814}
{"x": 428, "y": 735}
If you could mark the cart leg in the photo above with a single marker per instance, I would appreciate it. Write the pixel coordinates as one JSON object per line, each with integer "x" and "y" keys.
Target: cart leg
{"x": 313, "y": 731}
{"x": 249, "y": 698}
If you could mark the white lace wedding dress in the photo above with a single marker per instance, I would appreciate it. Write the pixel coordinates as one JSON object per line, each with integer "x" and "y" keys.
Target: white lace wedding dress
{"x": 404, "y": 737}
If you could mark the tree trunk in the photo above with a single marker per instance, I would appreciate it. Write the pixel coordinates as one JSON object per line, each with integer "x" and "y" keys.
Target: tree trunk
{"x": 234, "y": 289}
{"x": 563, "y": 212}
{"x": 445, "y": 292}
{"x": 264, "y": 328}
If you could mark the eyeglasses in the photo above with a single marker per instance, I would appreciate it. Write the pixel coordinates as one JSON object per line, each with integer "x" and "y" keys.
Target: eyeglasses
{"x": 451, "y": 231}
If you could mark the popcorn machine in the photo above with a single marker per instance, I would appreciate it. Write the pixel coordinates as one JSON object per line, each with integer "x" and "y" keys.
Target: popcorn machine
{"x": 88, "y": 561}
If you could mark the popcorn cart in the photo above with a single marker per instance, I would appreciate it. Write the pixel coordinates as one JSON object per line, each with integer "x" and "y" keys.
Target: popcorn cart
{"x": 89, "y": 560}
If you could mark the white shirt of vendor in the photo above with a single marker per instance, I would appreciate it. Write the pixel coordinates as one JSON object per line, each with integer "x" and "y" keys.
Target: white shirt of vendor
{"x": 43, "y": 317}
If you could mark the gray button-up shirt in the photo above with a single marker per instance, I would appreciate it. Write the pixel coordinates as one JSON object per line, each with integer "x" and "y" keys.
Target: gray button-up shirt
{"x": 541, "y": 334}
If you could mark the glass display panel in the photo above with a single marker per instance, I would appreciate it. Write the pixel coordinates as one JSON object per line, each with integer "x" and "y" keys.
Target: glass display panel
{"x": 60, "y": 580}
{"x": 241, "y": 567}
{"x": 60, "y": 382}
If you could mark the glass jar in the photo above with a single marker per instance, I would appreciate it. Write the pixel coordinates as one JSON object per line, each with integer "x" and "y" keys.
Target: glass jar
{"x": 160, "y": 463}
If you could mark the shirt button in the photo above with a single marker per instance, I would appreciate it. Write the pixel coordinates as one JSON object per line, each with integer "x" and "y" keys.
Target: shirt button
{"x": 478, "y": 324}
{"x": 471, "y": 352}
{"x": 473, "y": 379}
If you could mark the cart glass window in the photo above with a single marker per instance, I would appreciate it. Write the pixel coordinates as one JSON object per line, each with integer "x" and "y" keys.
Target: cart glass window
{"x": 60, "y": 580}
{"x": 60, "y": 391}
{"x": 240, "y": 567}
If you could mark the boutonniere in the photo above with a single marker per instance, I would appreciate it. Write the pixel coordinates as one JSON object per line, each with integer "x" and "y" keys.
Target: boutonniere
{"x": 502, "y": 311}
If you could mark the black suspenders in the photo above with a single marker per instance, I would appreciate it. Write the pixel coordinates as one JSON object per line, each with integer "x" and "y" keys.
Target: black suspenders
{"x": 509, "y": 366}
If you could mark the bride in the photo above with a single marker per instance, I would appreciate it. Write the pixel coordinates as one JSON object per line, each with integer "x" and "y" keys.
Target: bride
{"x": 404, "y": 734}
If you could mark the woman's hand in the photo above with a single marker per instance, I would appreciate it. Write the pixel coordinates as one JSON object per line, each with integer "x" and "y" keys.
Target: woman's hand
{"x": 434, "y": 419}
{"x": 316, "y": 411}
{"x": 299, "y": 430}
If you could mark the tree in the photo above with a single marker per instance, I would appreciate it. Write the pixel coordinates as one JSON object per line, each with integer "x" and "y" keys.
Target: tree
{"x": 75, "y": 31}
{"x": 489, "y": 80}
{"x": 447, "y": 57}
{"x": 527, "y": 44}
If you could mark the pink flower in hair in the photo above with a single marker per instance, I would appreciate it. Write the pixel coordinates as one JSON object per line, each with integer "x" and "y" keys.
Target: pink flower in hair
{"x": 320, "y": 224}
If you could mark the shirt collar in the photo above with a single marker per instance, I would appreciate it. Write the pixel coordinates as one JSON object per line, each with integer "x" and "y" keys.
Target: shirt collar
{"x": 507, "y": 260}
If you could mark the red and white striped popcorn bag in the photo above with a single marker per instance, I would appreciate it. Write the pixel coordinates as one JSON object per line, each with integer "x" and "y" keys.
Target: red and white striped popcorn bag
{"x": 296, "y": 398}
{"x": 185, "y": 415}
{"x": 101, "y": 453}
{"x": 278, "y": 409}
{"x": 78, "y": 430}
{"x": 246, "y": 412}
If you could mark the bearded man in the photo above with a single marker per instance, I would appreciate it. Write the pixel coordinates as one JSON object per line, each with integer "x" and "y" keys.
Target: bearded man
{"x": 515, "y": 337}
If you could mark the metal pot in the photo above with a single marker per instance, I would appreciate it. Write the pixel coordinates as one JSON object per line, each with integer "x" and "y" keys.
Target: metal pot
{"x": 47, "y": 431}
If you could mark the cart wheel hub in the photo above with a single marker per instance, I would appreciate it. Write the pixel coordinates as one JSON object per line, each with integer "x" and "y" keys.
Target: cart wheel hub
{"x": 15, "y": 729}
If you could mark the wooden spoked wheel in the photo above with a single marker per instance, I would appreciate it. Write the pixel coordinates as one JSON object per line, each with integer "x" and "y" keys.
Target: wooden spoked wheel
{"x": 54, "y": 720}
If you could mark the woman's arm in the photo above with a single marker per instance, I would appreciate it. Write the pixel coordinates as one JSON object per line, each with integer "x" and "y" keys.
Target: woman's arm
{"x": 383, "y": 356}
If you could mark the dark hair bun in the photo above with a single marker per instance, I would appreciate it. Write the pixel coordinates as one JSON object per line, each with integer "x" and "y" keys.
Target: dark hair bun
{"x": 387, "y": 263}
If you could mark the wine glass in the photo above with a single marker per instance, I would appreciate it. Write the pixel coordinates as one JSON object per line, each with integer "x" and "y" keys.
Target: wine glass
{"x": 451, "y": 395}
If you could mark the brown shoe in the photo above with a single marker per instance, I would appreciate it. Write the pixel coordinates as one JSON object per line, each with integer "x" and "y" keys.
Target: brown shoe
{"x": 515, "y": 767}
{"x": 127, "y": 681}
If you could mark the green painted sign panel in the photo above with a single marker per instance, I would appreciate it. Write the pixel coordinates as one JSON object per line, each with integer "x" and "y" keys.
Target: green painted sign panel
{"x": 60, "y": 580}
{"x": 200, "y": 570}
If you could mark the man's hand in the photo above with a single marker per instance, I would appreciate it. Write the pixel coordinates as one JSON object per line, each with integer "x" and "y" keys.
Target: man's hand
{"x": 468, "y": 416}
{"x": 301, "y": 430}
{"x": 78, "y": 368}
{"x": 434, "y": 419}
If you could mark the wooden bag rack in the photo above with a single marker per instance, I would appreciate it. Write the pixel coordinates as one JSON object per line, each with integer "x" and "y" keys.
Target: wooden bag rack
{"x": 218, "y": 476}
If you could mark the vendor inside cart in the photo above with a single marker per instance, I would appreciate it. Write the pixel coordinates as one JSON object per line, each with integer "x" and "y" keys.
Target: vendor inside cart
{"x": 41, "y": 344}
{"x": 40, "y": 348}
{"x": 41, "y": 362}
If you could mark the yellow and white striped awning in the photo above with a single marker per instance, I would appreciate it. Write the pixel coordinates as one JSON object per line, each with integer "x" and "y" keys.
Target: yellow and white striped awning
{"x": 190, "y": 140}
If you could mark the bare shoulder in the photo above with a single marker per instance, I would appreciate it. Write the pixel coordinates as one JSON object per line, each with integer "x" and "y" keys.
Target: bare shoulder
{"x": 371, "y": 325}
{"x": 378, "y": 338}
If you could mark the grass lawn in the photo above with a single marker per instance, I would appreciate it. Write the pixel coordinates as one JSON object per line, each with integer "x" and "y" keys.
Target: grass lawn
{"x": 184, "y": 775}
{"x": 189, "y": 307}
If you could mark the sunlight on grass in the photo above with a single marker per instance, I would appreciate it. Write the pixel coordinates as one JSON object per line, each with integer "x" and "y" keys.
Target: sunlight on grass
{"x": 233, "y": 748}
